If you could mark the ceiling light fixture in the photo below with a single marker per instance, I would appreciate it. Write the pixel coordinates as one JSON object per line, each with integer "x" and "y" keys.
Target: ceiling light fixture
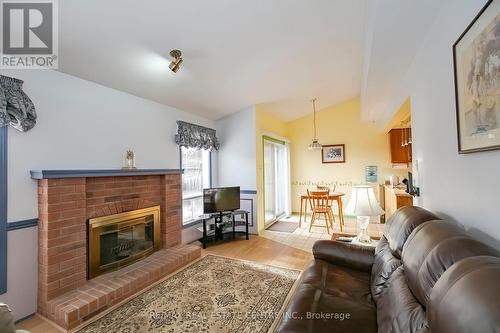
{"x": 315, "y": 145}
{"x": 175, "y": 65}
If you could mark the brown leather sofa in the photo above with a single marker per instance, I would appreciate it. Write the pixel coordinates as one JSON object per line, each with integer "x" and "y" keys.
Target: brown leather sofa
{"x": 425, "y": 275}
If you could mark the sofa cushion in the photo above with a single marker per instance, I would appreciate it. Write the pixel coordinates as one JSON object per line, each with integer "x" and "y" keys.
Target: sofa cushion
{"x": 336, "y": 291}
{"x": 384, "y": 264}
{"x": 398, "y": 311}
{"x": 431, "y": 249}
{"x": 401, "y": 224}
{"x": 467, "y": 299}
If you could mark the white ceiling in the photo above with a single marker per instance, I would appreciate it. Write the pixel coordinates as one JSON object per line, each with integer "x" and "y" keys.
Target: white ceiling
{"x": 395, "y": 32}
{"x": 237, "y": 53}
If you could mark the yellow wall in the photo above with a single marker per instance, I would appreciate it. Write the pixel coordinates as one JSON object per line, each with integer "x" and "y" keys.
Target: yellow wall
{"x": 402, "y": 115}
{"x": 340, "y": 124}
{"x": 364, "y": 143}
{"x": 266, "y": 125}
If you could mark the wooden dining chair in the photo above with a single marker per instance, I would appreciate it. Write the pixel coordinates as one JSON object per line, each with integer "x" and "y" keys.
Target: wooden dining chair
{"x": 330, "y": 203}
{"x": 321, "y": 206}
{"x": 326, "y": 188}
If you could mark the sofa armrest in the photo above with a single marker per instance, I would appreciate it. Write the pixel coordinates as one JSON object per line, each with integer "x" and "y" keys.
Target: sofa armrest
{"x": 6, "y": 319}
{"x": 354, "y": 256}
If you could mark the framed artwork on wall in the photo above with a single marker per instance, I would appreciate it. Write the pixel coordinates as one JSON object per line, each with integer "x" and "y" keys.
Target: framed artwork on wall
{"x": 333, "y": 153}
{"x": 371, "y": 174}
{"x": 476, "y": 56}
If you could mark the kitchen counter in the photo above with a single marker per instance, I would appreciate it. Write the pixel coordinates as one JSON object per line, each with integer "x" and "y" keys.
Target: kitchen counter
{"x": 394, "y": 199}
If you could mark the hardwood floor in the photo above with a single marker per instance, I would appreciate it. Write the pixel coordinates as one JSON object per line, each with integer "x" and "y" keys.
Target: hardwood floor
{"x": 37, "y": 324}
{"x": 258, "y": 249}
{"x": 262, "y": 250}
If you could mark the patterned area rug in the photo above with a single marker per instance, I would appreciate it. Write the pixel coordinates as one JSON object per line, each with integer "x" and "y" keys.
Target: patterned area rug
{"x": 214, "y": 294}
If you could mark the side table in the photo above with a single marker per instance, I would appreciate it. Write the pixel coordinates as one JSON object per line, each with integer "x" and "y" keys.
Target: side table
{"x": 335, "y": 237}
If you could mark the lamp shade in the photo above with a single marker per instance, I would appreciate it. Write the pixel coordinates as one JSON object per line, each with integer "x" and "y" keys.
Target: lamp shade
{"x": 315, "y": 145}
{"x": 363, "y": 202}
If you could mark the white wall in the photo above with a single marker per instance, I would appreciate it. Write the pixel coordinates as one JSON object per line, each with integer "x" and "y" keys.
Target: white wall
{"x": 236, "y": 158}
{"x": 22, "y": 271}
{"x": 463, "y": 188}
{"x": 81, "y": 125}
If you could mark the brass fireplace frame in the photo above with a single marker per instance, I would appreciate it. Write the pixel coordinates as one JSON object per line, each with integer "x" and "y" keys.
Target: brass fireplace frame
{"x": 123, "y": 219}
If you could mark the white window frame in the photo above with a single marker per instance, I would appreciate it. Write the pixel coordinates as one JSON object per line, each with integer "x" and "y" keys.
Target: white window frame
{"x": 206, "y": 179}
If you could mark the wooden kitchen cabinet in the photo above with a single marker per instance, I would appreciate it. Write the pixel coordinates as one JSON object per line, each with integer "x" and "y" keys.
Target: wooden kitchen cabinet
{"x": 400, "y": 154}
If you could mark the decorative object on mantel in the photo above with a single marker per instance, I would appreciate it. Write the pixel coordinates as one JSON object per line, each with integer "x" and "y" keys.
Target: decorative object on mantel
{"x": 196, "y": 136}
{"x": 129, "y": 160}
{"x": 476, "y": 56}
{"x": 16, "y": 108}
{"x": 333, "y": 153}
{"x": 315, "y": 145}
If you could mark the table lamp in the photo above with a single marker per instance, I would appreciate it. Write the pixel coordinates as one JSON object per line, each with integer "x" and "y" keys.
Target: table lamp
{"x": 363, "y": 204}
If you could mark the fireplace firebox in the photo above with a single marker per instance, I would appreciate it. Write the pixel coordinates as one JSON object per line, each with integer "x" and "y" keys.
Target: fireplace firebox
{"x": 121, "y": 239}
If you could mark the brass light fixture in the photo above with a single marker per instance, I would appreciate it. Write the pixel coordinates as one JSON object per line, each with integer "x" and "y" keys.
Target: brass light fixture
{"x": 315, "y": 145}
{"x": 404, "y": 141}
{"x": 176, "y": 63}
{"x": 406, "y": 138}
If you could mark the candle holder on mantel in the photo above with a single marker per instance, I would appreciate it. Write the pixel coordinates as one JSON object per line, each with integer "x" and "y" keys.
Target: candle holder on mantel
{"x": 129, "y": 160}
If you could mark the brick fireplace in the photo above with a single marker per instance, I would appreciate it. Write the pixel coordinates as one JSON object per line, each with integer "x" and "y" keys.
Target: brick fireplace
{"x": 66, "y": 202}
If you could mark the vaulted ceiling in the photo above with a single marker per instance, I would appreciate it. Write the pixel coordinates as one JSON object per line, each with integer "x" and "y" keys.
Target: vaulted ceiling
{"x": 395, "y": 31}
{"x": 238, "y": 53}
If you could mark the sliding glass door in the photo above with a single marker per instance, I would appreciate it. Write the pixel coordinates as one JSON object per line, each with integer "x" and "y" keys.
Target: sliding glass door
{"x": 276, "y": 179}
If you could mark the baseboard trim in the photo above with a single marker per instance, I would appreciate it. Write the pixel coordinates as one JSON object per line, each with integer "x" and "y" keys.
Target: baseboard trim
{"x": 24, "y": 318}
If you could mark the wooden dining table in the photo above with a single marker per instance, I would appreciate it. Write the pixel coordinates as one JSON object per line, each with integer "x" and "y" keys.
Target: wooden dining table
{"x": 333, "y": 196}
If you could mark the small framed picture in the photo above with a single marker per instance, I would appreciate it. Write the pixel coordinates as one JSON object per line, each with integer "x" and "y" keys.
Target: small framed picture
{"x": 333, "y": 154}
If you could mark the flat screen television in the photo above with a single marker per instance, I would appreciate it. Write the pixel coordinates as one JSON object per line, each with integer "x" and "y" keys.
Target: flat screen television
{"x": 222, "y": 199}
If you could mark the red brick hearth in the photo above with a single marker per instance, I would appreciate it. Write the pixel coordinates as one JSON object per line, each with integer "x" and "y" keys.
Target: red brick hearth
{"x": 74, "y": 307}
{"x": 65, "y": 206}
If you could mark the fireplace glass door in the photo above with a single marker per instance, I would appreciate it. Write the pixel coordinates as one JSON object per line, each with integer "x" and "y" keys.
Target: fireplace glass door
{"x": 120, "y": 239}
{"x": 126, "y": 240}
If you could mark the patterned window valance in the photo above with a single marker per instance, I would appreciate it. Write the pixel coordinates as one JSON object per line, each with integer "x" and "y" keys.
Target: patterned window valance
{"x": 16, "y": 108}
{"x": 196, "y": 136}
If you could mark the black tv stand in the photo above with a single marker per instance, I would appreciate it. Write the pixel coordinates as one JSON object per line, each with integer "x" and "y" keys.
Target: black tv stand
{"x": 224, "y": 224}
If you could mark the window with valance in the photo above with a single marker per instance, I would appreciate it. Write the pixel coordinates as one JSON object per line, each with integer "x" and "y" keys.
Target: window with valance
{"x": 196, "y": 142}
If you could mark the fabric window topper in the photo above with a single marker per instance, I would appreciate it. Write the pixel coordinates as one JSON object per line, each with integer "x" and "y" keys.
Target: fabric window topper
{"x": 196, "y": 136}
{"x": 16, "y": 108}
